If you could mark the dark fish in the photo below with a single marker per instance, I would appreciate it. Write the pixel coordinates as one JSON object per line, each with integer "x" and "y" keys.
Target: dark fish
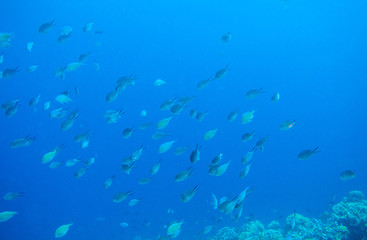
{"x": 221, "y": 72}
{"x": 305, "y": 154}
{"x": 195, "y": 155}
{"x": 44, "y": 28}
{"x": 226, "y": 37}
{"x": 347, "y": 175}
{"x": 9, "y": 72}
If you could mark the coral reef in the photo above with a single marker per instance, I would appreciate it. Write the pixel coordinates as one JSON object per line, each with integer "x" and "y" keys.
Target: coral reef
{"x": 347, "y": 221}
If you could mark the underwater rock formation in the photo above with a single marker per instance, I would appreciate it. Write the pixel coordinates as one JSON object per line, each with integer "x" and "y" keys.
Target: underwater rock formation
{"x": 348, "y": 221}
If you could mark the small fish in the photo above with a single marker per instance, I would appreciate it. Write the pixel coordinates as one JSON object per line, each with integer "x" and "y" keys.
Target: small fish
{"x": 126, "y": 133}
{"x": 143, "y": 113}
{"x": 119, "y": 197}
{"x": 9, "y": 72}
{"x": 63, "y": 98}
{"x": 221, "y": 73}
{"x": 11, "y": 111}
{"x": 275, "y": 97}
{"x": 305, "y": 154}
{"x": 181, "y": 150}
{"x": 13, "y": 195}
{"x": 62, "y": 230}
{"x": 189, "y": 194}
{"x": 5, "y": 216}
{"x": 247, "y": 136}
{"x": 80, "y": 172}
{"x": 210, "y": 134}
{"x": 247, "y": 117}
{"x": 88, "y": 27}
{"x": 252, "y": 93}
{"x": 286, "y": 125}
{"x": 29, "y": 46}
{"x": 112, "y": 116}
{"x": 214, "y": 201}
{"x": 232, "y": 115}
{"x": 246, "y": 158}
{"x": 260, "y": 143}
{"x": 226, "y": 37}
{"x": 144, "y": 181}
{"x": 217, "y": 159}
{"x": 185, "y": 174}
{"x": 72, "y": 162}
{"x": 163, "y": 123}
{"x": 45, "y": 27}
{"x": 174, "y": 229}
{"x": 133, "y": 202}
{"x": 83, "y": 57}
{"x": 47, "y": 105}
{"x": 22, "y": 142}
{"x": 164, "y": 147}
{"x": 48, "y": 157}
{"x": 34, "y": 101}
{"x": 124, "y": 224}
{"x": 159, "y": 82}
{"x": 347, "y": 175}
{"x": 159, "y": 135}
{"x": 195, "y": 155}
{"x": 155, "y": 168}
{"x": 218, "y": 169}
{"x": 54, "y": 165}
{"x": 204, "y": 83}
{"x": 244, "y": 172}
{"x": 108, "y": 182}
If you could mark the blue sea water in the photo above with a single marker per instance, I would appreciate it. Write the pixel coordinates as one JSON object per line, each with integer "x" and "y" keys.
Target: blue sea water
{"x": 313, "y": 52}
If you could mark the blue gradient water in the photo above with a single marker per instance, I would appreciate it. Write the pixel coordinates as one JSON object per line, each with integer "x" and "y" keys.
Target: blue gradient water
{"x": 312, "y": 52}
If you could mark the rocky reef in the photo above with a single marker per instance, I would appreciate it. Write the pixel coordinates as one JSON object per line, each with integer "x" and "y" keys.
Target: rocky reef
{"x": 347, "y": 221}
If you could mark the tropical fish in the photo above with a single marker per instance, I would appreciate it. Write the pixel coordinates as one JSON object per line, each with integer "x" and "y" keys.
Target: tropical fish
{"x": 174, "y": 229}
{"x": 214, "y": 201}
{"x": 34, "y": 101}
{"x": 164, "y": 147}
{"x": 58, "y": 113}
{"x": 144, "y": 181}
{"x": 22, "y": 142}
{"x": 246, "y": 158}
{"x": 159, "y": 82}
{"x": 9, "y": 72}
{"x": 159, "y": 135}
{"x": 111, "y": 96}
{"x": 155, "y": 168}
{"x": 181, "y": 150}
{"x": 210, "y": 134}
{"x": 183, "y": 175}
{"x": 252, "y": 93}
{"x": 88, "y": 27}
{"x": 260, "y": 143}
{"x": 347, "y": 175}
{"x": 47, "y": 105}
{"x": 84, "y": 56}
{"x": 286, "y": 125}
{"x": 163, "y": 123}
{"x": 9, "y": 104}
{"x": 45, "y": 27}
{"x": 72, "y": 162}
{"x": 80, "y": 172}
{"x": 166, "y": 105}
{"x": 133, "y": 202}
{"x": 247, "y": 136}
{"x": 275, "y": 97}
{"x": 29, "y": 46}
{"x": 73, "y": 66}
{"x": 119, "y": 197}
{"x": 63, "y": 98}
{"x": 232, "y": 115}
{"x": 126, "y": 133}
{"x": 113, "y": 116}
{"x": 217, "y": 159}
{"x": 195, "y": 155}
{"x": 201, "y": 115}
{"x": 244, "y": 172}
{"x": 90, "y": 161}
{"x": 226, "y": 37}
{"x": 108, "y": 182}
{"x": 189, "y": 194}
{"x": 69, "y": 122}
{"x": 54, "y": 165}
{"x": 305, "y": 154}
{"x": 204, "y": 83}
{"x": 62, "y": 230}
{"x": 5, "y": 216}
{"x": 11, "y": 111}
{"x": 48, "y": 157}
{"x": 207, "y": 229}
{"x": 83, "y": 138}
{"x": 221, "y": 73}
{"x": 247, "y": 117}
{"x": 13, "y": 195}
{"x": 218, "y": 169}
